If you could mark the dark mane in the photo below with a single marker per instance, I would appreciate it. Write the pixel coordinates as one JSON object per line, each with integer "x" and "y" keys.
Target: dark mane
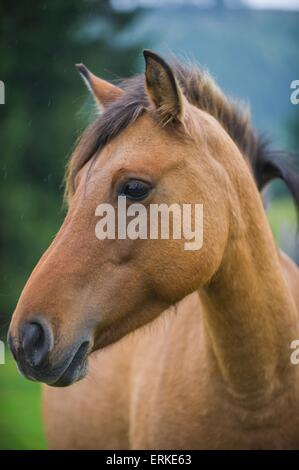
{"x": 200, "y": 90}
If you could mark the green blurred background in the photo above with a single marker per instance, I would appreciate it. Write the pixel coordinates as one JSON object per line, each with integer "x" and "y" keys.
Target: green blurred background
{"x": 252, "y": 54}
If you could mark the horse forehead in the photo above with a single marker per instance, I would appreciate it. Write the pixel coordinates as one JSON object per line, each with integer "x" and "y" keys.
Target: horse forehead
{"x": 143, "y": 142}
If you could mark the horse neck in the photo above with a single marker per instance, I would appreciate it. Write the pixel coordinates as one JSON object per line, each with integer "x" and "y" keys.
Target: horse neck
{"x": 250, "y": 316}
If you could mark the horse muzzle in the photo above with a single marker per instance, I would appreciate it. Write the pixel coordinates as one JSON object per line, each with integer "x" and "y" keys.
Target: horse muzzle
{"x": 34, "y": 351}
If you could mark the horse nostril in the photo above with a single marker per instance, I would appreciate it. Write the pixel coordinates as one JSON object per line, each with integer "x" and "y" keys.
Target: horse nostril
{"x": 36, "y": 342}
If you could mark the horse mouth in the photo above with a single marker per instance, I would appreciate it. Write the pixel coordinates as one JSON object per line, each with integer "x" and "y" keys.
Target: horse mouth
{"x": 70, "y": 369}
{"x": 76, "y": 369}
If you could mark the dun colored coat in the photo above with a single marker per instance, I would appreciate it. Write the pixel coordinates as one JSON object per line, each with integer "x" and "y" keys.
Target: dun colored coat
{"x": 186, "y": 349}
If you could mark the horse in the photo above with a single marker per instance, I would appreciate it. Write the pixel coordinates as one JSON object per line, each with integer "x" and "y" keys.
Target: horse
{"x": 139, "y": 343}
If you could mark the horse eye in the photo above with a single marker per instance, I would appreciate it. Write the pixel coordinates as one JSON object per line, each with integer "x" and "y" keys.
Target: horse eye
{"x": 135, "y": 189}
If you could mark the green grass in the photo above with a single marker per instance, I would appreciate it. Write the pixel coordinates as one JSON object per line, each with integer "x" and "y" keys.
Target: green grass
{"x": 281, "y": 212}
{"x": 20, "y": 417}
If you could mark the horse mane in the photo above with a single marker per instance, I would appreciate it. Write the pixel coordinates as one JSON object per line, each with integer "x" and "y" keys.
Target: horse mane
{"x": 201, "y": 90}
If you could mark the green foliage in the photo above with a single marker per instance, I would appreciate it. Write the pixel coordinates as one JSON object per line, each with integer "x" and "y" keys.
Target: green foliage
{"x": 20, "y": 417}
{"x": 281, "y": 213}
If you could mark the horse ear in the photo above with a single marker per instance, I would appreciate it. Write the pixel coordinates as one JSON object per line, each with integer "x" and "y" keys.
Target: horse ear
{"x": 104, "y": 92}
{"x": 163, "y": 88}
